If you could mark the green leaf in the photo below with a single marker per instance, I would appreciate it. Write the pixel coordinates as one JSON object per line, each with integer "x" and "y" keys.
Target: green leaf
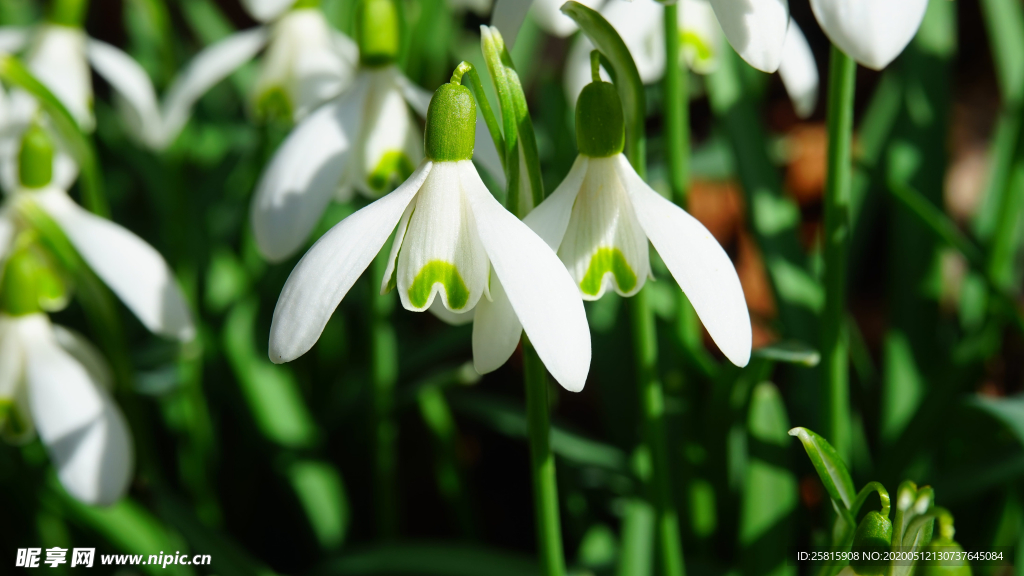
{"x": 627, "y": 78}
{"x": 830, "y": 467}
{"x": 322, "y": 495}
{"x": 433, "y": 559}
{"x": 78, "y": 144}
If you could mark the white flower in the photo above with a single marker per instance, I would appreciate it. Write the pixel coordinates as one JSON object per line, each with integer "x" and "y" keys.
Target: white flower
{"x": 54, "y": 381}
{"x": 639, "y": 23}
{"x": 755, "y": 28}
{"x": 455, "y": 246}
{"x": 872, "y": 32}
{"x": 133, "y": 269}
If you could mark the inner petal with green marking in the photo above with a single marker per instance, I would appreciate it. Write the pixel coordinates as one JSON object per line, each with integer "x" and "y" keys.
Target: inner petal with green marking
{"x": 443, "y": 273}
{"x": 394, "y": 166}
{"x": 608, "y": 261}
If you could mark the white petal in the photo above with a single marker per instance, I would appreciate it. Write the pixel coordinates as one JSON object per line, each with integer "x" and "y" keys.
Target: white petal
{"x": 698, "y": 263}
{"x": 266, "y": 10}
{"x": 542, "y": 293}
{"x": 441, "y": 253}
{"x": 799, "y": 72}
{"x": 57, "y": 59}
{"x": 134, "y": 86}
{"x": 508, "y": 16}
{"x": 756, "y": 29}
{"x": 133, "y": 269}
{"x": 701, "y": 35}
{"x": 390, "y": 143}
{"x": 299, "y": 181}
{"x": 86, "y": 354}
{"x": 6, "y": 235}
{"x": 551, "y": 218}
{"x": 496, "y": 330}
{"x": 386, "y": 283}
{"x": 418, "y": 98}
{"x": 83, "y": 430}
{"x": 449, "y": 317}
{"x": 549, "y": 17}
{"x": 208, "y": 68}
{"x": 13, "y": 38}
{"x": 872, "y": 32}
{"x": 12, "y": 358}
{"x": 346, "y": 48}
{"x": 604, "y": 247}
{"x": 329, "y": 269}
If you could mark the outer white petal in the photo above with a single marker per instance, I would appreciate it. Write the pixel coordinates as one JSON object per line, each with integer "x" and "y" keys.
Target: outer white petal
{"x": 698, "y": 263}
{"x": 702, "y": 35}
{"x": 756, "y": 29}
{"x": 872, "y": 32}
{"x": 13, "y": 38}
{"x": 305, "y": 171}
{"x": 84, "y": 431}
{"x": 208, "y": 68}
{"x": 548, "y": 16}
{"x": 86, "y": 354}
{"x": 541, "y": 292}
{"x": 266, "y": 10}
{"x": 799, "y": 72}
{"x": 133, "y": 269}
{"x": 329, "y": 269}
{"x": 508, "y": 16}
{"x": 551, "y": 218}
{"x": 134, "y": 86}
{"x": 442, "y": 233}
{"x": 496, "y": 330}
{"x": 57, "y": 59}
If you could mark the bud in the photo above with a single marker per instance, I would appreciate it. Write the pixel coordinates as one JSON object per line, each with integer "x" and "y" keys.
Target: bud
{"x": 874, "y": 535}
{"x": 600, "y": 125}
{"x": 35, "y": 158}
{"x": 451, "y": 124}
{"x": 377, "y": 32}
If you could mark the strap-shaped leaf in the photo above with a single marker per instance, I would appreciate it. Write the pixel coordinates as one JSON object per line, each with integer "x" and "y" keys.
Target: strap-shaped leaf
{"x": 627, "y": 78}
{"x": 79, "y": 145}
{"x": 829, "y": 465}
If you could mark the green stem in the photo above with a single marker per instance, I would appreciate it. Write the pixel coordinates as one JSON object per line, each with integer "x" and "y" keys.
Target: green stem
{"x": 842, "y": 76}
{"x": 69, "y": 12}
{"x": 542, "y": 464}
{"x": 677, "y": 110}
{"x": 652, "y": 408}
{"x": 384, "y": 362}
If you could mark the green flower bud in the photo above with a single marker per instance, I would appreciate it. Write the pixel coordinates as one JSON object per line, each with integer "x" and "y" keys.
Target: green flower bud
{"x": 873, "y": 535}
{"x": 451, "y": 124}
{"x": 600, "y": 126}
{"x": 31, "y": 283}
{"x": 942, "y": 559}
{"x": 35, "y": 158}
{"x": 377, "y": 32}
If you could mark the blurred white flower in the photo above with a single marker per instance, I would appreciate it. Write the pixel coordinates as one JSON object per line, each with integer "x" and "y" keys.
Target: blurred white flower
{"x": 755, "y": 28}
{"x": 872, "y": 32}
{"x": 455, "y": 247}
{"x": 52, "y": 381}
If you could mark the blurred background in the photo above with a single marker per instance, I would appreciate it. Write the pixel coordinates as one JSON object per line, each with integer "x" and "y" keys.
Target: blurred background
{"x": 395, "y": 458}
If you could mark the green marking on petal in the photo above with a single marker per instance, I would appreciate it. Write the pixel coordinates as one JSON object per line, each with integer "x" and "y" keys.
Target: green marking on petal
{"x": 439, "y": 271}
{"x": 702, "y": 48}
{"x": 393, "y": 165}
{"x": 13, "y": 425}
{"x": 608, "y": 260}
{"x": 274, "y": 104}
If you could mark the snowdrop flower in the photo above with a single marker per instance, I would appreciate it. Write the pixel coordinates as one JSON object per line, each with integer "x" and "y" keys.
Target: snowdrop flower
{"x": 640, "y": 25}
{"x": 365, "y": 140}
{"x": 872, "y": 32}
{"x": 455, "y": 245}
{"x": 599, "y": 221}
{"x": 755, "y": 28}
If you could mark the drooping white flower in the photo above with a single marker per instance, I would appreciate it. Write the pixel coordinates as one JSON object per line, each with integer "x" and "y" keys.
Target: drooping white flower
{"x": 755, "y": 28}
{"x": 872, "y": 32}
{"x": 639, "y": 23}
{"x": 52, "y": 381}
{"x": 455, "y": 245}
{"x": 602, "y": 216}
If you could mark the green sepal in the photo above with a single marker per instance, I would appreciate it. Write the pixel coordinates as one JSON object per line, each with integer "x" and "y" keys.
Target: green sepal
{"x": 451, "y": 124}
{"x": 874, "y": 535}
{"x": 31, "y": 282}
{"x": 377, "y": 32}
{"x": 830, "y": 467}
{"x": 35, "y": 158}
{"x": 600, "y": 125}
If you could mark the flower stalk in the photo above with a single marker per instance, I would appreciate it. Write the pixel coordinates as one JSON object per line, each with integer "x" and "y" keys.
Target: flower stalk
{"x": 834, "y": 346}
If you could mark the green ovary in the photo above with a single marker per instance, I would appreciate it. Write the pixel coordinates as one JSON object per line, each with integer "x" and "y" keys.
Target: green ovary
{"x": 274, "y": 104}
{"x": 608, "y": 260}
{"x": 392, "y": 164}
{"x": 439, "y": 272}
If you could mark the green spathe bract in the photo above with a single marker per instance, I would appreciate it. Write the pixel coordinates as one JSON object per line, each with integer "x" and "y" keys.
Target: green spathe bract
{"x": 451, "y": 124}
{"x": 600, "y": 126}
{"x": 607, "y": 260}
{"x": 439, "y": 272}
{"x": 377, "y": 32}
{"x": 35, "y": 158}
